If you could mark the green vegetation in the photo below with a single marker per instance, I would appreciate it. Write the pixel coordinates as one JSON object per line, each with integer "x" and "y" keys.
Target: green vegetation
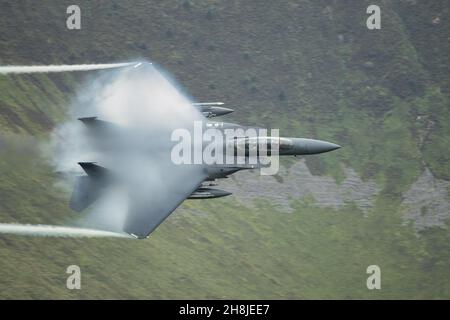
{"x": 310, "y": 68}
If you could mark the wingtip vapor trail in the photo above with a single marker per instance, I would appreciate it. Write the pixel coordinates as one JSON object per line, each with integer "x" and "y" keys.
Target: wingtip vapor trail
{"x": 65, "y": 68}
{"x": 57, "y": 231}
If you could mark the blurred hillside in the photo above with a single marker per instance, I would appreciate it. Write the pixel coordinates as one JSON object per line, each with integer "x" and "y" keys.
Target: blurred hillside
{"x": 310, "y": 68}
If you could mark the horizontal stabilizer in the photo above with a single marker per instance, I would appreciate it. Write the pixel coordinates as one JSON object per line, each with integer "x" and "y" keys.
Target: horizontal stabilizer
{"x": 85, "y": 193}
{"x": 95, "y": 124}
{"x": 87, "y": 189}
{"x": 94, "y": 171}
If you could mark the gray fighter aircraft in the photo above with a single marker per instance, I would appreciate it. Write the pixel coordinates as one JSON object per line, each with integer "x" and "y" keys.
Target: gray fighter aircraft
{"x": 147, "y": 212}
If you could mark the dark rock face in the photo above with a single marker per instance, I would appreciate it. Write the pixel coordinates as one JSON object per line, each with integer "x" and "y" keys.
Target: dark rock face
{"x": 426, "y": 203}
{"x": 298, "y": 183}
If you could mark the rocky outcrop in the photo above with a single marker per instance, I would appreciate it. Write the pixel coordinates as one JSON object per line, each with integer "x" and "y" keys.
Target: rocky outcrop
{"x": 297, "y": 183}
{"x": 427, "y": 203}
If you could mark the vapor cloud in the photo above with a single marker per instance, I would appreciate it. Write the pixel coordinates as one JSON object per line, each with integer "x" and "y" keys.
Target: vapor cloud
{"x": 144, "y": 106}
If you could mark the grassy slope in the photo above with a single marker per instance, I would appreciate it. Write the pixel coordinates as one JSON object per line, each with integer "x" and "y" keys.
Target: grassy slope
{"x": 307, "y": 67}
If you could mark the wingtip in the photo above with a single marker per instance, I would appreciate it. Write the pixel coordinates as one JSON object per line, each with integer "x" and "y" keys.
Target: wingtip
{"x": 138, "y": 64}
{"x": 138, "y": 237}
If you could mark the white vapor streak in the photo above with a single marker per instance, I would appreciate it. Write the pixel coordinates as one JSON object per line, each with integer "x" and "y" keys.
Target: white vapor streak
{"x": 57, "y": 231}
{"x": 63, "y": 68}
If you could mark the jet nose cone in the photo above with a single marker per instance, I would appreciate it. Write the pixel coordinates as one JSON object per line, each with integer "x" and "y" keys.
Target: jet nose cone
{"x": 220, "y": 111}
{"x": 319, "y": 146}
{"x": 302, "y": 146}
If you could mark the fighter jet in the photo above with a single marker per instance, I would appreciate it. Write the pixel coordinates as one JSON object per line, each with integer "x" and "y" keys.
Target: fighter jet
{"x": 147, "y": 211}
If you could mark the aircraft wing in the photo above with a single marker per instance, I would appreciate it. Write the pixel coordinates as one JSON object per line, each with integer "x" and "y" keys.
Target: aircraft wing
{"x": 154, "y": 191}
{"x": 101, "y": 129}
{"x": 148, "y": 210}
